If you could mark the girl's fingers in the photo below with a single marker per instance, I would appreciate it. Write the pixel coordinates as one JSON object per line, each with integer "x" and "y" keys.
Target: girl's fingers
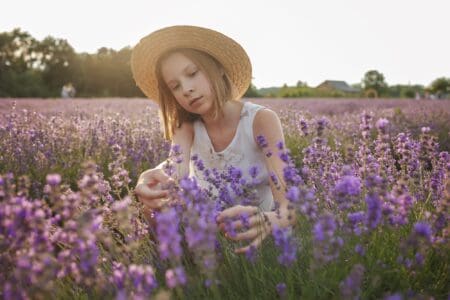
{"x": 235, "y": 211}
{"x": 246, "y": 235}
{"x": 144, "y": 192}
{"x": 155, "y": 203}
{"x": 158, "y": 176}
{"x": 255, "y": 243}
{"x": 252, "y": 233}
{"x": 256, "y": 219}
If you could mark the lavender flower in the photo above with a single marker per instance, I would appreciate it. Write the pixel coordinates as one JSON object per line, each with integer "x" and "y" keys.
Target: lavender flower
{"x": 326, "y": 244}
{"x": 261, "y": 141}
{"x": 321, "y": 124}
{"x": 373, "y": 215}
{"x": 381, "y": 125}
{"x": 53, "y": 179}
{"x": 287, "y": 244}
{"x": 293, "y": 194}
{"x": 175, "y": 277}
{"x": 423, "y": 229}
{"x": 351, "y": 286}
{"x": 168, "y": 236}
{"x": 281, "y": 290}
{"x": 346, "y": 191}
{"x": 415, "y": 249}
{"x": 365, "y": 125}
{"x": 251, "y": 254}
{"x": 200, "y": 226}
{"x": 304, "y": 127}
{"x": 356, "y": 221}
{"x": 396, "y": 296}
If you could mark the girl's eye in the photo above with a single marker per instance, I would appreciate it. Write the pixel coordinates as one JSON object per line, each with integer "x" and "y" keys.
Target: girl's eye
{"x": 193, "y": 73}
{"x": 176, "y": 87}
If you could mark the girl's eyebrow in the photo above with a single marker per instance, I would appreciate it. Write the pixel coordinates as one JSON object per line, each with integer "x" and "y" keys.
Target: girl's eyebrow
{"x": 184, "y": 70}
{"x": 189, "y": 66}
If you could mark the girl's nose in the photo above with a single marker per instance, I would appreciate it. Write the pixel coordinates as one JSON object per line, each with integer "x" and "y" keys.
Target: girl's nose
{"x": 188, "y": 90}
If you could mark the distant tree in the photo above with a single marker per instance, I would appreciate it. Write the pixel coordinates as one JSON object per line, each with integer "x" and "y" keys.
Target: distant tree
{"x": 31, "y": 68}
{"x": 17, "y": 57}
{"x": 404, "y": 91}
{"x": 440, "y": 86}
{"x": 301, "y": 84}
{"x": 374, "y": 81}
{"x": 16, "y": 50}
{"x": 57, "y": 60}
{"x": 356, "y": 86}
{"x": 107, "y": 73}
{"x": 252, "y": 92}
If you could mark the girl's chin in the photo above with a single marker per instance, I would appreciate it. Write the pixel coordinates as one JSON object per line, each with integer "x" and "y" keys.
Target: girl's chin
{"x": 201, "y": 109}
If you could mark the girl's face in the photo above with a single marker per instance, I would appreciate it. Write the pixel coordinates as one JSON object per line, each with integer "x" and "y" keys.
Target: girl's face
{"x": 188, "y": 84}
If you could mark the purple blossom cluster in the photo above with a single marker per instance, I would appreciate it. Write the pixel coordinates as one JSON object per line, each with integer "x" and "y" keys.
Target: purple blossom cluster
{"x": 60, "y": 237}
{"x": 413, "y": 251}
{"x": 327, "y": 243}
{"x": 288, "y": 245}
{"x": 133, "y": 281}
{"x": 356, "y": 182}
{"x": 167, "y": 233}
{"x": 120, "y": 177}
{"x": 200, "y": 226}
{"x": 351, "y": 286}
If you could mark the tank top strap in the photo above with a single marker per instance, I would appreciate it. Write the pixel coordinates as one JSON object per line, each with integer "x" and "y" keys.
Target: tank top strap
{"x": 247, "y": 117}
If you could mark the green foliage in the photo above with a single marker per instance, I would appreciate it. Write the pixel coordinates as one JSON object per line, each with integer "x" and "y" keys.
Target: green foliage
{"x": 441, "y": 86}
{"x": 56, "y": 62}
{"x": 252, "y": 92}
{"x": 404, "y": 91}
{"x": 374, "y": 80}
{"x": 32, "y": 68}
{"x": 303, "y": 91}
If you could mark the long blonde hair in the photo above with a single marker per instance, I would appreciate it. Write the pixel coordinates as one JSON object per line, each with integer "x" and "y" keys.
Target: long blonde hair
{"x": 172, "y": 113}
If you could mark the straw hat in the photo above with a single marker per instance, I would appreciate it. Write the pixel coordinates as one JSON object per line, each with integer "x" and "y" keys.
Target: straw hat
{"x": 228, "y": 52}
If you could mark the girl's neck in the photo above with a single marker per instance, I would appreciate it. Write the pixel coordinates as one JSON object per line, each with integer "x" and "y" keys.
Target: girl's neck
{"x": 231, "y": 113}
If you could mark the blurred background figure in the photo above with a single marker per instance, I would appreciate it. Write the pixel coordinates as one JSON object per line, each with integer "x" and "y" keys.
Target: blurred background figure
{"x": 417, "y": 96}
{"x": 68, "y": 91}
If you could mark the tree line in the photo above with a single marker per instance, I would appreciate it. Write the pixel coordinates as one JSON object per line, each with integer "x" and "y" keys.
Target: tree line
{"x": 33, "y": 68}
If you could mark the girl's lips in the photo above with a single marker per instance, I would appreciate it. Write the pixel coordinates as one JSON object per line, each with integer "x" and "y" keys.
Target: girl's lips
{"x": 195, "y": 100}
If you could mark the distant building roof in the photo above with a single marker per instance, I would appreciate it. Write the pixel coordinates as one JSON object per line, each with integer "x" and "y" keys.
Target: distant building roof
{"x": 337, "y": 85}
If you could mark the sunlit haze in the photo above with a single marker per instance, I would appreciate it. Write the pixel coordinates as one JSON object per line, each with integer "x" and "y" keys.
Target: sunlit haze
{"x": 287, "y": 41}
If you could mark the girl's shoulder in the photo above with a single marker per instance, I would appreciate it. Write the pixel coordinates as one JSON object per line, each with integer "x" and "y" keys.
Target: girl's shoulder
{"x": 266, "y": 122}
{"x": 265, "y": 115}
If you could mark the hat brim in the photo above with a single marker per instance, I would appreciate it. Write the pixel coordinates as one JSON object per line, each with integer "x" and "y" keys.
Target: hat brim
{"x": 227, "y": 51}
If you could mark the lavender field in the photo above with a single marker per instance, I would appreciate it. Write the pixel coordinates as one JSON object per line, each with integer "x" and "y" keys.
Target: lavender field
{"x": 368, "y": 180}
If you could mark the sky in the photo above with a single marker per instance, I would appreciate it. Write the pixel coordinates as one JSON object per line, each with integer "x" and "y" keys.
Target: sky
{"x": 286, "y": 40}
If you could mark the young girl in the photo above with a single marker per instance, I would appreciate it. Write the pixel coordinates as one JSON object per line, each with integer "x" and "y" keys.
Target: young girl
{"x": 197, "y": 76}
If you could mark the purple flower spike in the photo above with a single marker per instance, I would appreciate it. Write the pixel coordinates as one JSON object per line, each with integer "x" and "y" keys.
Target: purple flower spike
{"x": 261, "y": 140}
{"x": 281, "y": 289}
{"x": 175, "y": 277}
{"x": 53, "y": 179}
{"x": 423, "y": 229}
{"x": 168, "y": 236}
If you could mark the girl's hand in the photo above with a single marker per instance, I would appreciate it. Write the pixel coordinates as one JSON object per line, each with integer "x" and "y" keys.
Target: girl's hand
{"x": 245, "y": 223}
{"x": 149, "y": 189}
{"x": 249, "y": 223}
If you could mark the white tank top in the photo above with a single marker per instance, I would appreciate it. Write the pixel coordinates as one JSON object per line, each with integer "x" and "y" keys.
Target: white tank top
{"x": 242, "y": 152}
